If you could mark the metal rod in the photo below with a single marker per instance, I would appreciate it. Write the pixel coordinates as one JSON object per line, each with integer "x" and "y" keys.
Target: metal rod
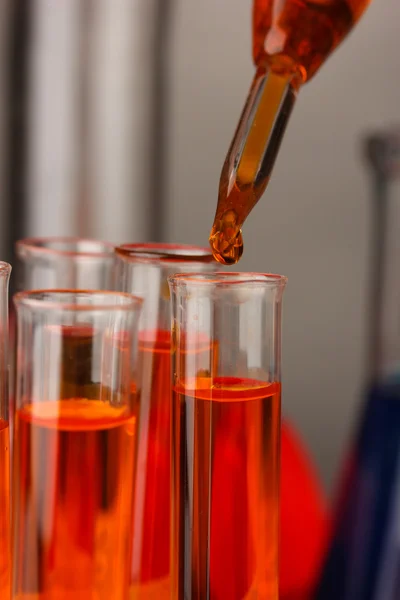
{"x": 377, "y": 253}
{"x": 20, "y": 26}
{"x": 159, "y": 126}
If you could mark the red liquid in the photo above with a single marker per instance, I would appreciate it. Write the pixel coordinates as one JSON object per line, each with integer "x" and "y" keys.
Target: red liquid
{"x": 151, "y": 546}
{"x": 226, "y": 489}
{"x": 150, "y": 566}
{"x": 4, "y": 511}
{"x": 72, "y": 499}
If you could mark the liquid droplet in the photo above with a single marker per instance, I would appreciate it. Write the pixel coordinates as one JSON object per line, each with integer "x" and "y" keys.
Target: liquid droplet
{"x": 226, "y": 239}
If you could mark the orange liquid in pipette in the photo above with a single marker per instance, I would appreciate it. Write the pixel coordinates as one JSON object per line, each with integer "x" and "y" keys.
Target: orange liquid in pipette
{"x": 291, "y": 40}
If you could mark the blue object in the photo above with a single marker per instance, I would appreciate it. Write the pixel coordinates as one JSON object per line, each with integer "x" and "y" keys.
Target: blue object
{"x": 364, "y": 557}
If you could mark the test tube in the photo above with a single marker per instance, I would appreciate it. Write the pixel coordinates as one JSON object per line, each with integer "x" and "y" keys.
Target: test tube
{"x": 5, "y": 573}
{"x": 74, "y": 444}
{"x": 65, "y": 262}
{"x": 60, "y": 262}
{"x": 225, "y": 435}
{"x": 143, "y": 269}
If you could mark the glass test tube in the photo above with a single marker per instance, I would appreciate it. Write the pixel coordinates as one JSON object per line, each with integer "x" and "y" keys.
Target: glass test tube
{"x": 225, "y": 435}
{"x": 62, "y": 263}
{"x": 143, "y": 269}
{"x": 74, "y": 444}
{"x": 5, "y": 565}
{"x": 65, "y": 262}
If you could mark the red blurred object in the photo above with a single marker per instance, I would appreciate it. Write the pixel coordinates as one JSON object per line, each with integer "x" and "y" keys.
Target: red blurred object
{"x": 304, "y": 519}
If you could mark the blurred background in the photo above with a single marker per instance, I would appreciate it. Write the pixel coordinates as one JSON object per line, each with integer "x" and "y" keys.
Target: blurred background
{"x": 115, "y": 119}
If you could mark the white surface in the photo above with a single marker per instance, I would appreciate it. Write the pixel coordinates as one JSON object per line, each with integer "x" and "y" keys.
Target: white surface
{"x": 312, "y": 224}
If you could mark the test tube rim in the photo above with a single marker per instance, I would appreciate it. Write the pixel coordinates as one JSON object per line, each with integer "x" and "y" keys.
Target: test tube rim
{"x": 164, "y": 252}
{"x": 37, "y": 247}
{"x": 31, "y": 299}
{"x": 5, "y": 269}
{"x": 226, "y": 279}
